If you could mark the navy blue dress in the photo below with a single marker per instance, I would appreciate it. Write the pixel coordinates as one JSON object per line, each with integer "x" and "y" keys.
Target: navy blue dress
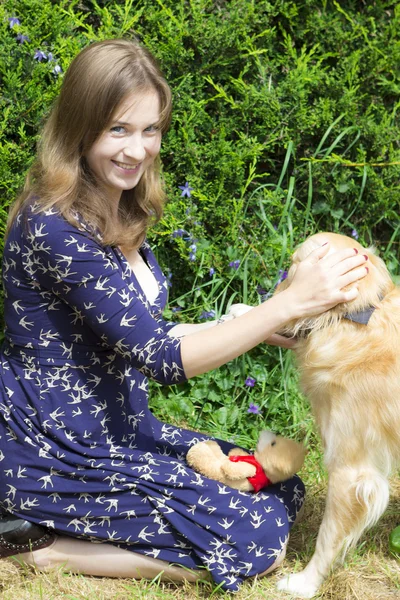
{"x": 80, "y": 451}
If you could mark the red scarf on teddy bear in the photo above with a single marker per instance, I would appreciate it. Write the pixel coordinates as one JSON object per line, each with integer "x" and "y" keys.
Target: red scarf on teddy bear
{"x": 259, "y": 480}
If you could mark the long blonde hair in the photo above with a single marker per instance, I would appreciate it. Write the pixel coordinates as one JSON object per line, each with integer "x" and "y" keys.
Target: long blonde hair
{"x": 96, "y": 83}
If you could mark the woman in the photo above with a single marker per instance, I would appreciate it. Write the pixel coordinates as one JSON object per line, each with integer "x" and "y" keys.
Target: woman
{"x": 82, "y": 455}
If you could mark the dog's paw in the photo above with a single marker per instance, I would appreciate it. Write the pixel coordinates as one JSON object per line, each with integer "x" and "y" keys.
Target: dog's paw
{"x": 299, "y": 585}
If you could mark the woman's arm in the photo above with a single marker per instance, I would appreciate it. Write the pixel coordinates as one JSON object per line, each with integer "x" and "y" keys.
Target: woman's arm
{"x": 187, "y": 328}
{"x": 317, "y": 286}
{"x": 211, "y": 348}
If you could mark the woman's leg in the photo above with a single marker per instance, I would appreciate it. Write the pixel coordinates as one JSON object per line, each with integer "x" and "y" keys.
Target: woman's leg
{"x": 91, "y": 558}
{"x": 105, "y": 560}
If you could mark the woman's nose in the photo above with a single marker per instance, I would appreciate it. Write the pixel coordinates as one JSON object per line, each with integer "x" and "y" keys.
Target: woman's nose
{"x": 135, "y": 148}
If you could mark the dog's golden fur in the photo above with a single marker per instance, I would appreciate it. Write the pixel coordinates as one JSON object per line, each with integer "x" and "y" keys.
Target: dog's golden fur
{"x": 350, "y": 373}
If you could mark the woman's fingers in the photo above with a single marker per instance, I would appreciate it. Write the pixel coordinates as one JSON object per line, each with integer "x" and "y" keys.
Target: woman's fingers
{"x": 279, "y": 340}
{"x": 350, "y": 295}
{"x": 352, "y": 276}
{"x": 339, "y": 263}
{"x": 315, "y": 256}
{"x": 338, "y": 256}
{"x": 348, "y": 264}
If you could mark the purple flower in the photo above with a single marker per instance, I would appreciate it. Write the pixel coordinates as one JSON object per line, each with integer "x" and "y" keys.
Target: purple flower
{"x": 282, "y": 275}
{"x": 50, "y": 56}
{"x": 179, "y": 233}
{"x": 250, "y": 382}
{"x": 186, "y": 189}
{"x": 192, "y": 257}
{"x": 22, "y": 38}
{"x": 264, "y": 295}
{"x": 39, "y": 55}
{"x": 193, "y": 247}
{"x": 254, "y": 409}
{"x": 234, "y": 264}
{"x": 354, "y": 233}
{"x": 12, "y": 21}
{"x": 57, "y": 70}
{"x": 176, "y": 309}
{"x": 211, "y": 271}
{"x": 207, "y": 314}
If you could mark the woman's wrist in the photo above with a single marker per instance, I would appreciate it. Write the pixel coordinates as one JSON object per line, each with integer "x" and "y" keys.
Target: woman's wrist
{"x": 283, "y": 305}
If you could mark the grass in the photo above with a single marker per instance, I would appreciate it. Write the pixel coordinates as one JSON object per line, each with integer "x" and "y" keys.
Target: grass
{"x": 368, "y": 573}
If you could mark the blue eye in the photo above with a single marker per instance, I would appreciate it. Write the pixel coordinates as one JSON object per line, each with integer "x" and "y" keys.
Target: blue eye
{"x": 151, "y": 129}
{"x": 117, "y": 129}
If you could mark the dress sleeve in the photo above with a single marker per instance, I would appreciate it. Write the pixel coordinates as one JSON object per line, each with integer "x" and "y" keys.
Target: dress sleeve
{"x": 81, "y": 272}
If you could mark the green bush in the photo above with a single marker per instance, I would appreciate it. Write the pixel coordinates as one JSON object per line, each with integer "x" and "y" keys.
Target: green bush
{"x": 285, "y": 123}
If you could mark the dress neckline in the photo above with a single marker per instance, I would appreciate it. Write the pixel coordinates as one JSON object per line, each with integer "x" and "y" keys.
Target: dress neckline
{"x": 146, "y": 255}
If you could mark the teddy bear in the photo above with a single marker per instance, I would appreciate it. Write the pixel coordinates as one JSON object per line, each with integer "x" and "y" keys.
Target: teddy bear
{"x": 275, "y": 459}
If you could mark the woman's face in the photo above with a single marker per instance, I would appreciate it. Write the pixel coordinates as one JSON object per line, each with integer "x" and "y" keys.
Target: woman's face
{"x": 128, "y": 146}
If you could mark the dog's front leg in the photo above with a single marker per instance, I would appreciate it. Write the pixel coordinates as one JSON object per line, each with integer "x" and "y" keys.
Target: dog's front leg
{"x": 356, "y": 497}
{"x": 306, "y": 583}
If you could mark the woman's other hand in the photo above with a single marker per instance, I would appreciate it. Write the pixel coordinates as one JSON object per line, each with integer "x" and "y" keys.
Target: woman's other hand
{"x": 280, "y": 340}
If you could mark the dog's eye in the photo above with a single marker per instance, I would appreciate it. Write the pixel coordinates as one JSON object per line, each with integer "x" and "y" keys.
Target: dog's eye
{"x": 273, "y": 443}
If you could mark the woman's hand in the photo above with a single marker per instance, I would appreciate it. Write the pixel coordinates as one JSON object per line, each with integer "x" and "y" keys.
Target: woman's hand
{"x": 280, "y": 340}
{"x": 318, "y": 282}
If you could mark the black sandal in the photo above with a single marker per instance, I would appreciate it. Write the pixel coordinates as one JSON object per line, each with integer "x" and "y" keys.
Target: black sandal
{"x": 18, "y": 535}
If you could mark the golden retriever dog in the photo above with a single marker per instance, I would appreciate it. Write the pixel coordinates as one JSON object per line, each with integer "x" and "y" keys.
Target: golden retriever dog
{"x": 349, "y": 362}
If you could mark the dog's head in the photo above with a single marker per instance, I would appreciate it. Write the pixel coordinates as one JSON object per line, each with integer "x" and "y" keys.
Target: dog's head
{"x": 280, "y": 457}
{"x": 371, "y": 289}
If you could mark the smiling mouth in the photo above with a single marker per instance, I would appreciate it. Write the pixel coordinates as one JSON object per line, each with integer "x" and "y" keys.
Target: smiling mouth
{"x": 126, "y": 166}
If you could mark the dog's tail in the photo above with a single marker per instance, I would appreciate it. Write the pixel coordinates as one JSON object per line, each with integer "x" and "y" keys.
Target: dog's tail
{"x": 371, "y": 492}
